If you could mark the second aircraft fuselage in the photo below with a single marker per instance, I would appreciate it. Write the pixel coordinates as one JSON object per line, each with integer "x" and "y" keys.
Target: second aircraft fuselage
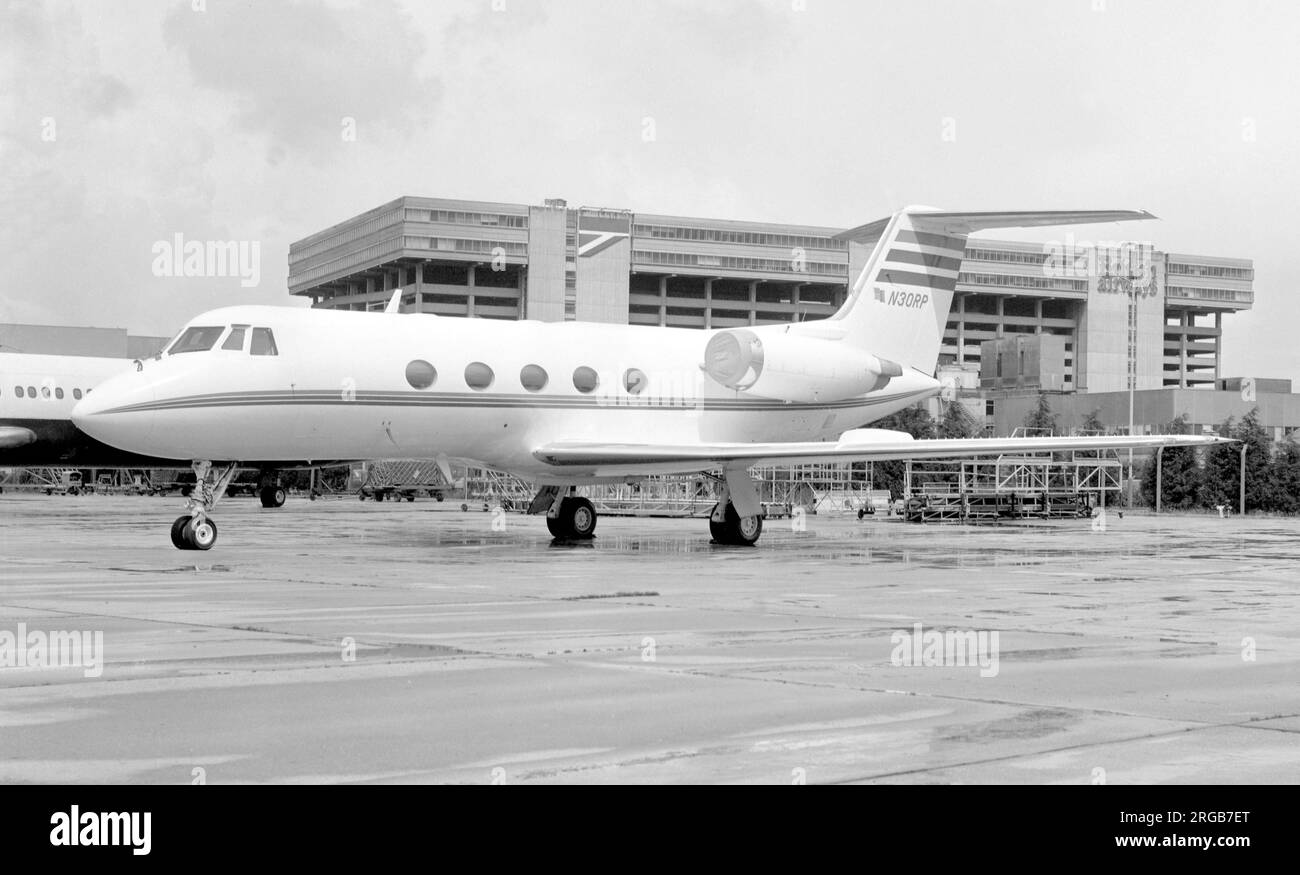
{"x": 300, "y": 385}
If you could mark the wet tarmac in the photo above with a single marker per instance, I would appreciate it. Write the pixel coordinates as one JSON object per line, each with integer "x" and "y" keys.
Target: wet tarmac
{"x": 340, "y": 641}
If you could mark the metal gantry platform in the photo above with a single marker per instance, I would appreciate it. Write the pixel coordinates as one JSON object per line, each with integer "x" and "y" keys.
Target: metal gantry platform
{"x": 1011, "y": 487}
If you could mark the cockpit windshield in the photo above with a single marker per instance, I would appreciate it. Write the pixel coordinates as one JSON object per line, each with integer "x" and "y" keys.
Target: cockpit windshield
{"x": 235, "y": 340}
{"x": 263, "y": 342}
{"x": 201, "y": 338}
{"x": 196, "y": 338}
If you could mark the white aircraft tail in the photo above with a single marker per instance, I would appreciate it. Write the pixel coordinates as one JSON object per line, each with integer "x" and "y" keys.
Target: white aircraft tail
{"x": 898, "y": 307}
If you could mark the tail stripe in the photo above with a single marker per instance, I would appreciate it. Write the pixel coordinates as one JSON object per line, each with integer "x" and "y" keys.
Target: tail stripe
{"x": 924, "y": 259}
{"x": 892, "y": 277}
{"x": 955, "y": 246}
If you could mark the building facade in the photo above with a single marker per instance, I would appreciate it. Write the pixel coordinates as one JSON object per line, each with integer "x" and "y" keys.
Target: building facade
{"x": 1065, "y": 309}
{"x": 75, "y": 340}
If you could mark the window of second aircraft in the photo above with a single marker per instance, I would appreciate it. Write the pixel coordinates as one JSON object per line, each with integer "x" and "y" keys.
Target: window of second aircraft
{"x": 58, "y": 393}
{"x": 76, "y": 393}
{"x": 18, "y": 390}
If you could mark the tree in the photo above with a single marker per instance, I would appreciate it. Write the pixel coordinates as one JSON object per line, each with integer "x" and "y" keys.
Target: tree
{"x": 1041, "y": 420}
{"x": 1092, "y": 423}
{"x": 917, "y": 422}
{"x": 1180, "y": 476}
{"x": 914, "y": 420}
{"x": 1221, "y": 482}
{"x": 957, "y": 421}
{"x": 1286, "y": 476}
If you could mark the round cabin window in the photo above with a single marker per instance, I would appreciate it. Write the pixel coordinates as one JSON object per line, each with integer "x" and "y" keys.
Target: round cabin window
{"x": 634, "y": 380}
{"x": 585, "y": 379}
{"x": 533, "y": 378}
{"x": 478, "y": 376}
{"x": 420, "y": 374}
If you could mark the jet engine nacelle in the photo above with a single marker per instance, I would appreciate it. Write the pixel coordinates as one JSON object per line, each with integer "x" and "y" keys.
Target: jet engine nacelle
{"x": 787, "y": 367}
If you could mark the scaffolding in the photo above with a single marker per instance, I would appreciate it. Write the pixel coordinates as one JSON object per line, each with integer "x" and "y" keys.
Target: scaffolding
{"x": 395, "y": 479}
{"x": 491, "y": 488}
{"x": 1010, "y": 487}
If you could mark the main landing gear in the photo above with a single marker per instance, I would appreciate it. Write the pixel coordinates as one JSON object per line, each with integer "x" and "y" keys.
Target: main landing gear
{"x": 569, "y": 518}
{"x": 729, "y": 525}
{"x": 195, "y": 530}
{"x": 269, "y": 489}
{"x": 573, "y": 518}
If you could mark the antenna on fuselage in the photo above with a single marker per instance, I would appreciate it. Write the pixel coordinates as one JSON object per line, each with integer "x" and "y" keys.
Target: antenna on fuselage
{"x": 395, "y": 302}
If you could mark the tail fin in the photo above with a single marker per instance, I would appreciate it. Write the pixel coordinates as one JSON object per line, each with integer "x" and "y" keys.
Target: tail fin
{"x": 899, "y": 305}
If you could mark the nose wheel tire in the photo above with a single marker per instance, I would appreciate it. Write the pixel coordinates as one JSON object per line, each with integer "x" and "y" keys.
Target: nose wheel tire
{"x": 575, "y": 521}
{"x": 736, "y": 530}
{"x": 187, "y": 534}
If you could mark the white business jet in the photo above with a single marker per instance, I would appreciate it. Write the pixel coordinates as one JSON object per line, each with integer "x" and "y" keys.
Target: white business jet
{"x": 571, "y": 403}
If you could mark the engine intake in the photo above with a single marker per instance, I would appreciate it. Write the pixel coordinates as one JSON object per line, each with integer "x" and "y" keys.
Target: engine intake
{"x": 786, "y": 367}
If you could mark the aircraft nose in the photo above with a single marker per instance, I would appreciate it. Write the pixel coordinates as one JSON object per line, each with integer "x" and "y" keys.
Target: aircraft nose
{"x": 118, "y": 412}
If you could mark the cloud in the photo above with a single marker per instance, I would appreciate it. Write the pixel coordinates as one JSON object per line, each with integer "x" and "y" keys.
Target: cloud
{"x": 295, "y": 70}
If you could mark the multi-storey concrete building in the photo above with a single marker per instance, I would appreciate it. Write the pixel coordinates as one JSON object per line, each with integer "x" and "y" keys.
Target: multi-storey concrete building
{"x": 554, "y": 262}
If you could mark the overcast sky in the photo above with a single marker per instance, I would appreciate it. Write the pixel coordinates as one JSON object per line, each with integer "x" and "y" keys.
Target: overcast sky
{"x": 123, "y": 124}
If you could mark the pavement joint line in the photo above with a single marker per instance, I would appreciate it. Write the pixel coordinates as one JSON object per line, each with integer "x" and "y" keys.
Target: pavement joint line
{"x": 1197, "y": 724}
{"x": 1047, "y": 752}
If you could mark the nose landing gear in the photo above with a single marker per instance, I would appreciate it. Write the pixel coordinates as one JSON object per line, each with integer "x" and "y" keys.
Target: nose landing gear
{"x": 195, "y": 530}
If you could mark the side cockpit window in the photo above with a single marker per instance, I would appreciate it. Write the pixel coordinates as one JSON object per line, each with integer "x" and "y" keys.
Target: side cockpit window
{"x": 197, "y": 338}
{"x": 263, "y": 342}
{"x": 235, "y": 339}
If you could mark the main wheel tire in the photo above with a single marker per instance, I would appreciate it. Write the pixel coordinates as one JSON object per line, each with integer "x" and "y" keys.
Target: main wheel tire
{"x": 273, "y": 496}
{"x": 736, "y": 530}
{"x": 576, "y": 519}
{"x": 746, "y": 529}
{"x": 178, "y": 533}
{"x": 582, "y": 517}
{"x": 558, "y": 527}
{"x": 200, "y": 536}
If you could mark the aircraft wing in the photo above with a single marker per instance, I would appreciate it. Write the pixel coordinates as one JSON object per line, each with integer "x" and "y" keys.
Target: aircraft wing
{"x": 609, "y": 459}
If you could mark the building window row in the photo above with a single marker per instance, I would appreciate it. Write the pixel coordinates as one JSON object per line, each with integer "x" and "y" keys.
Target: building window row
{"x": 1211, "y": 294}
{"x": 458, "y": 217}
{"x": 1213, "y": 270}
{"x": 1004, "y": 256}
{"x": 451, "y": 244}
{"x": 1056, "y": 284}
{"x": 752, "y": 238}
{"x": 767, "y": 265}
